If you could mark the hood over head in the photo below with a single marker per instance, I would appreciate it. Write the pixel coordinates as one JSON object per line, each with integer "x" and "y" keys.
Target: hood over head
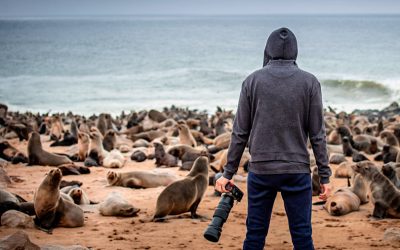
{"x": 281, "y": 44}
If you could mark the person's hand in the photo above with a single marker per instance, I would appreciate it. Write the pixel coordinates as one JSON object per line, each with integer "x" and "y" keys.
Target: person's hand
{"x": 220, "y": 184}
{"x": 325, "y": 191}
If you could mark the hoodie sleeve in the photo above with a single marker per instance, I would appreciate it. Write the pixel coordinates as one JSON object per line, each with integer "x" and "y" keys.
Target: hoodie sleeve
{"x": 317, "y": 133}
{"x": 240, "y": 134}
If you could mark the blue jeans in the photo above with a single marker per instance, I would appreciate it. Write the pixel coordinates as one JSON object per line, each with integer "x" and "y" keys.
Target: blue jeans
{"x": 296, "y": 190}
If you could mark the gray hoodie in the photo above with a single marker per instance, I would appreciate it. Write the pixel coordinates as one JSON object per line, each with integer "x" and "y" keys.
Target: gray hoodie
{"x": 280, "y": 108}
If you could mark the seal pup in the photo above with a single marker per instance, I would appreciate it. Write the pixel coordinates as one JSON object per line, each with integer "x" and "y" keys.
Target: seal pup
{"x": 139, "y": 155}
{"x": 116, "y": 205}
{"x": 51, "y": 208}
{"x": 140, "y": 179}
{"x": 184, "y": 195}
{"x": 38, "y": 156}
{"x": 163, "y": 158}
{"x": 77, "y": 194}
{"x": 385, "y": 196}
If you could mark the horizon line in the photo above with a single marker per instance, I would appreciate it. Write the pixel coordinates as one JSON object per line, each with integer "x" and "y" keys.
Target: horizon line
{"x": 197, "y": 15}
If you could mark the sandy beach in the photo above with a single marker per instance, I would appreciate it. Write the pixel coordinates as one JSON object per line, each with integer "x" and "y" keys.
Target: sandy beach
{"x": 352, "y": 231}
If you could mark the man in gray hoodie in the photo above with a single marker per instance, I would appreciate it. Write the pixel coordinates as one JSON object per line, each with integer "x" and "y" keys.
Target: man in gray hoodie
{"x": 280, "y": 108}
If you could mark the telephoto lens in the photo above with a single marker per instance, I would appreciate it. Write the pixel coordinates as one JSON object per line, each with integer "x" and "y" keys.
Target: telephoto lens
{"x": 213, "y": 231}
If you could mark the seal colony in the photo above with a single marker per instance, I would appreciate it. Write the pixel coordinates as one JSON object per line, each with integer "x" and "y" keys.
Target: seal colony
{"x": 190, "y": 146}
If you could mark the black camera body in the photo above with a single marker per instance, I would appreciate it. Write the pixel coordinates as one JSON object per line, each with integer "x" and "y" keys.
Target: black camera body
{"x": 214, "y": 229}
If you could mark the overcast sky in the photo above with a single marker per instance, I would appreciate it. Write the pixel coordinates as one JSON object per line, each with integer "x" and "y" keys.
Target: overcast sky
{"x": 189, "y": 7}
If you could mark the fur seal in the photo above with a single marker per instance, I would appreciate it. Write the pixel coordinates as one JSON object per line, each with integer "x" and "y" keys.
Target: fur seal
{"x": 102, "y": 124}
{"x": 337, "y": 158}
{"x": 358, "y": 142}
{"x": 72, "y": 169}
{"x": 140, "y": 179}
{"x": 56, "y": 128}
{"x": 140, "y": 143}
{"x": 184, "y": 195}
{"x": 116, "y": 205}
{"x": 186, "y": 154}
{"x": 77, "y": 194}
{"x": 96, "y": 146}
{"x": 224, "y": 158}
{"x": 138, "y": 155}
{"x": 389, "y": 153}
{"x": 346, "y": 200}
{"x": 65, "y": 183}
{"x": 347, "y": 148}
{"x": 83, "y": 145}
{"x": 38, "y": 156}
{"x": 10, "y": 153}
{"x": 205, "y": 128}
{"x": 110, "y": 140}
{"x": 391, "y": 171}
{"x": 185, "y": 136}
{"x": 344, "y": 170}
{"x": 390, "y": 138}
{"x": 51, "y": 208}
{"x": 148, "y": 136}
{"x": 20, "y": 130}
{"x": 114, "y": 159}
{"x": 163, "y": 158}
{"x": 385, "y": 196}
{"x": 70, "y": 138}
{"x": 156, "y": 116}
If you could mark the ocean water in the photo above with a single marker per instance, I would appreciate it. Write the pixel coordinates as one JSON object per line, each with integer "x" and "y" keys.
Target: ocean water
{"x": 109, "y": 64}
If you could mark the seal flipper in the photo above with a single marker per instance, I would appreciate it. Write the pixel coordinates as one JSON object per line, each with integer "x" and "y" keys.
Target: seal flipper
{"x": 48, "y": 221}
{"x": 379, "y": 210}
{"x": 27, "y": 208}
{"x": 193, "y": 210}
{"x": 33, "y": 160}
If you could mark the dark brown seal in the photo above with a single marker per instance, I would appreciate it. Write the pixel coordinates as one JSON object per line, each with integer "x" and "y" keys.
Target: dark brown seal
{"x": 51, "y": 208}
{"x": 184, "y": 195}
{"x": 385, "y": 196}
{"x": 38, "y": 156}
{"x": 163, "y": 158}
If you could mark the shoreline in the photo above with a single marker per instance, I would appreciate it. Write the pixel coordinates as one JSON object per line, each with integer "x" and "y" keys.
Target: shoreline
{"x": 390, "y": 106}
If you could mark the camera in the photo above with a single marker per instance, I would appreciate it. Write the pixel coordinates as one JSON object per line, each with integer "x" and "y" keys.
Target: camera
{"x": 213, "y": 231}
